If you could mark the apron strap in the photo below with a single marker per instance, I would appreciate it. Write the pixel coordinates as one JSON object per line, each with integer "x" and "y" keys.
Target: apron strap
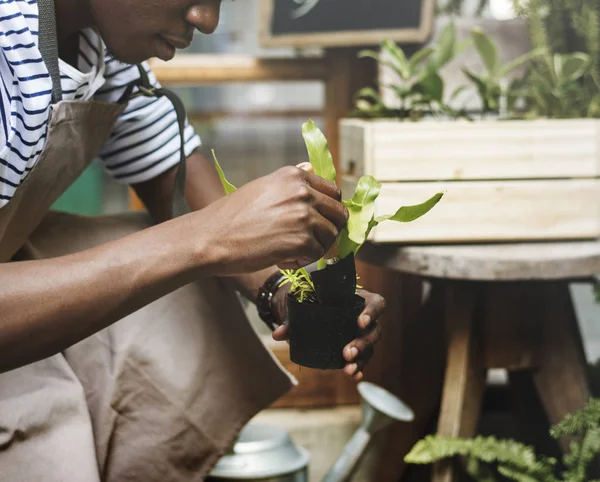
{"x": 179, "y": 205}
{"x": 48, "y": 45}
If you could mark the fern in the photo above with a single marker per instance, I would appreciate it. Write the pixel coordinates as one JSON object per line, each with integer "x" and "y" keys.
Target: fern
{"x": 515, "y": 457}
{"x": 579, "y": 422}
{"x": 515, "y": 461}
{"x": 581, "y": 456}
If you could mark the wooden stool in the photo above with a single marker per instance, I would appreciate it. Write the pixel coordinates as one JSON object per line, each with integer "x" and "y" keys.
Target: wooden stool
{"x": 505, "y": 306}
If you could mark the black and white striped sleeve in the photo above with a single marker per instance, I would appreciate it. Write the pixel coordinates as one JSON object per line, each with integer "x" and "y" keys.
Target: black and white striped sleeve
{"x": 145, "y": 141}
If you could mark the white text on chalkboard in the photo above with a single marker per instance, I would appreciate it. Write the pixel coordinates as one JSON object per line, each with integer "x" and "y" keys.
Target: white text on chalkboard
{"x": 305, "y": 7}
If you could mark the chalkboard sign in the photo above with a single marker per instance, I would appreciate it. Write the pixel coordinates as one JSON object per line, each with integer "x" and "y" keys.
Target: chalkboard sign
{"x": 334, "y": 23}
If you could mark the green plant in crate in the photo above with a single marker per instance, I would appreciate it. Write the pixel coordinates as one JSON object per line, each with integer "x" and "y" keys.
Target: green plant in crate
{"x": 420, "y": 88}
{"x": 492, "y": 85}
{"x": 569, "y": 32}
{"x": 361, "y": 209}
{"x": 555, "y": 87}
{"x": 486, "y": 458}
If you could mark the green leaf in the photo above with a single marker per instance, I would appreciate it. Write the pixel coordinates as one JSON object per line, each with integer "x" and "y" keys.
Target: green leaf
{"x": 361, "y": 208}
{"x": 229, "y": 188}
{"x": 420, "y": 56}
{"x": 318, "y": 151}
{"x": 594, "y": 107}
{"x": 368, "y": 54}
{"x": 573, "y": 67}
{"x": 407, "y": 214}
{"x": 399, "y": 56}
{"x": 509, "y": 67}
{"x": 486, "y": 48}
{"x": 369, "y": 93}
{"x": 446, "y": 46}
{"x": 457, "y": 92}
{"x": 432, "y": 86}
{"x": 482, "y": 86}
{"x": 345, "y": 245}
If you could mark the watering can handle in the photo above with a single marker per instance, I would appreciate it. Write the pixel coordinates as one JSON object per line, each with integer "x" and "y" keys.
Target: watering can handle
{"x": 352, "y": 453}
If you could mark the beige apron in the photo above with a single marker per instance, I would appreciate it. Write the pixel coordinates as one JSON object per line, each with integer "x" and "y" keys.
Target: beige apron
{"x": 159, "y": 395}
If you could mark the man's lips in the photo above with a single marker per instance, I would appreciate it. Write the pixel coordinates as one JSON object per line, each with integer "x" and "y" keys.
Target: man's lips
{"x": 178, "y": 43}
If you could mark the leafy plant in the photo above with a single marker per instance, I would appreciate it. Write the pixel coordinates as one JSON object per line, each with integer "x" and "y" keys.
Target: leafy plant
{"x": 485, "y": 457}
{"x": 492, "y": 86}
{"x": 569, "y": 32}
{"x": 556, "y": 87}
{"x": 301, "y": 285}
{"x": 361, "y": 208}
{"x": 420, "y": 88}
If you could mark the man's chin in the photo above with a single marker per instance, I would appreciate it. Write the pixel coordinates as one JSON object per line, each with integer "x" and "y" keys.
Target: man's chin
{"x": 128, "y": 57}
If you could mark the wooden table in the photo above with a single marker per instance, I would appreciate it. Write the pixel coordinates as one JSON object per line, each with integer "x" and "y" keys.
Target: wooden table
{"x": 505, "y": 306}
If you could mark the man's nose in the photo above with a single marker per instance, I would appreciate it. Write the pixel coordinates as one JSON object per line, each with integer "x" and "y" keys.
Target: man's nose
{"x": 205, "y": 17}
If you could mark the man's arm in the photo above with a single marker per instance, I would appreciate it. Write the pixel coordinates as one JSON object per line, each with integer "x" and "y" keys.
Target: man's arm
{"x": 287, "y": 218}
{"x": 203, "y": 187}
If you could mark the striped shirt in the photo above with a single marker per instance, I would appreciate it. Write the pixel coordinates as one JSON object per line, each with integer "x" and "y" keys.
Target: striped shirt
{"x": 145, "y": 139}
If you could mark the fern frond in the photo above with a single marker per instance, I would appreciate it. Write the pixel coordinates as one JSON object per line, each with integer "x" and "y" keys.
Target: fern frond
{"x": 519, "y": 458}
{"x": 580, "y": 421}
{"x": 517, "y": 475}
{"x": 581, "y": 456}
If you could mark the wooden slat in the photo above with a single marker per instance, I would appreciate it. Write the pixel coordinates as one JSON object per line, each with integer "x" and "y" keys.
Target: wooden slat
{"x": 195, "y": 69}
{"x": 461, "y": 150}
{"x": 491, "y": 211}
{"x": 254, "y": 114}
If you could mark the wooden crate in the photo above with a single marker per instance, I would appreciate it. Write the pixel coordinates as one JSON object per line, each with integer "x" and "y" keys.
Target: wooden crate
{"x": 503, "y": 180}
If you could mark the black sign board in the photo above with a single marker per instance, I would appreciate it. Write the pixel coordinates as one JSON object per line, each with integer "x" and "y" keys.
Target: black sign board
{"x": 329, "y": 23}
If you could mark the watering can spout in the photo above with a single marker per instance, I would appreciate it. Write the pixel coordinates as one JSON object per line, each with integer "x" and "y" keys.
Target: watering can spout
{"x": 380, "y": 409}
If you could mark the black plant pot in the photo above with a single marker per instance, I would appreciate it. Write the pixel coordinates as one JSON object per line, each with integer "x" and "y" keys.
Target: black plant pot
{"x": 319, "y": 333}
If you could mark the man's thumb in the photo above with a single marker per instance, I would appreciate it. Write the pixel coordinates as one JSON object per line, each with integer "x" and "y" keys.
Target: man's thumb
{"x": 306, "y": 166}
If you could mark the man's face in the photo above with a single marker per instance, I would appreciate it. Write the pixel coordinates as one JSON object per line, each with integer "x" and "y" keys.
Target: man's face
{"x": 136, "y": 30}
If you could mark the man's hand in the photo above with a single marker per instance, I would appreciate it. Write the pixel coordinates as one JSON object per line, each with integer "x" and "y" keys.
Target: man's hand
{"x": 289, "y": 218}
{"x": 358, "y": 352}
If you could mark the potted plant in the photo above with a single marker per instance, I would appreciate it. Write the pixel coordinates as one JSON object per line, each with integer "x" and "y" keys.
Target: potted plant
{"x": 527, "y": 168}
{"x": 323, "y": 306}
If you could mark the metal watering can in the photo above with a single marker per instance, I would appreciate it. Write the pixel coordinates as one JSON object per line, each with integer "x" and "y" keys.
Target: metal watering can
{"x": 265, "y": 453}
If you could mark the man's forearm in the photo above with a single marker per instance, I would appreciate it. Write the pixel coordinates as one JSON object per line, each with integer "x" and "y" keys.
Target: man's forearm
{"x": 203, "y": 187}
{"x": 49, "y": 305}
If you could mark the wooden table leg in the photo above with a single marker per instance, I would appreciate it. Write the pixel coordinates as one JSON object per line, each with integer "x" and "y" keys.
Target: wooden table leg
{"x": 465, "y": 372}
{"x": 561, "y": 377}
{"x": 408, "y": 361}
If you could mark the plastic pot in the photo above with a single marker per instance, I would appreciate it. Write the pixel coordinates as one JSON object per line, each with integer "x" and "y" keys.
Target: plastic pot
{"x": 319, "y": 333}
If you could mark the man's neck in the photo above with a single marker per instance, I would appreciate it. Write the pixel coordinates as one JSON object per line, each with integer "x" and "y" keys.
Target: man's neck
{"x": 71, "y": 17}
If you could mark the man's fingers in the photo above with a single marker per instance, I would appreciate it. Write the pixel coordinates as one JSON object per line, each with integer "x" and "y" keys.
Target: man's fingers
{"x": 331, "y": 209}
{"x": 374, "y": 308}
{"x": 362, "y": 348}
{"x": 322, "y": 185}
{"x": 281, "y": 333}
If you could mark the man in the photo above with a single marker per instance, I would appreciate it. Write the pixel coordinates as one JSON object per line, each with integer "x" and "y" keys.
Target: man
{"x": 124, "y": 354}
